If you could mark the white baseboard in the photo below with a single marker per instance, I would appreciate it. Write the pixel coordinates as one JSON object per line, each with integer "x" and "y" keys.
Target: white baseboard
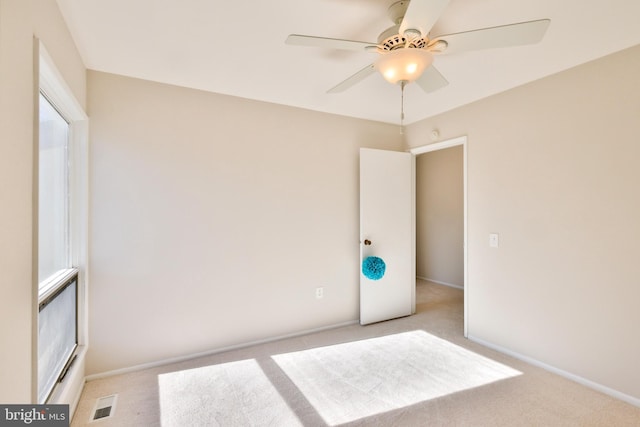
{"x": 212, "y": 352}
{"x": 580, "y": 380}
{"x": 451, "y": 285}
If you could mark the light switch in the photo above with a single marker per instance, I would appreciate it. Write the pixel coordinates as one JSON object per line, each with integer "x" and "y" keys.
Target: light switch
{"x": 494, "y": 241}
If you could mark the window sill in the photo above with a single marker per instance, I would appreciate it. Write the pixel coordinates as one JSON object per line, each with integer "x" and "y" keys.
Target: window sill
{"x": 69, "y": 390}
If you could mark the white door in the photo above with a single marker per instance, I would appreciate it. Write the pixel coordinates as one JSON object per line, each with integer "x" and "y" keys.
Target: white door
{"x": 387, "y": 232}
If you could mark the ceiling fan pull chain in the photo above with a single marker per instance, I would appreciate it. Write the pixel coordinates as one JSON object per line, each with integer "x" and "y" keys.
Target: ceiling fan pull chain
{"x": 402, "y": 85}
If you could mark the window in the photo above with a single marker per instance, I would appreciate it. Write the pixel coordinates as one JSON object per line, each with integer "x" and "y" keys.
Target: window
{"x": 53, "y": 193}
{"x": 57, "y": 336}
{"x": 61, "y": 224}
{"x": 57, "y": 280}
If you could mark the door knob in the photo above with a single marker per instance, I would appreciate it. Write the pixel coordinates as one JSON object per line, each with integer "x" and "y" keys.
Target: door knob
{"x": 367, "y": 242}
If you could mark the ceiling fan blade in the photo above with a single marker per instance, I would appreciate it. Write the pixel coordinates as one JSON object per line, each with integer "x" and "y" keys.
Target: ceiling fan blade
{"x": 503, "y": 36}
{"x": 431, "y": 80}
{"x": 300, "y": 40}
{"x": 421, "y": 15}
{"x": 356, "y": 78}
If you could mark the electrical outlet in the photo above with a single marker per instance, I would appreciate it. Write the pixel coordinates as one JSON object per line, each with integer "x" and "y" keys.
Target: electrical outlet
{"x": 319, "y": 293}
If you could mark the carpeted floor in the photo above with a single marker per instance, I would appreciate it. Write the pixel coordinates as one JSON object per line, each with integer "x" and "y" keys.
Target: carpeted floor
{"x": 350, "y": 376}
{"x": 359, "y": 379}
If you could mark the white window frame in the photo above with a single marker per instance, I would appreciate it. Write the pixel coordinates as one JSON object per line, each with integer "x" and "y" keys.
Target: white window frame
{"x": 53, "y": 86}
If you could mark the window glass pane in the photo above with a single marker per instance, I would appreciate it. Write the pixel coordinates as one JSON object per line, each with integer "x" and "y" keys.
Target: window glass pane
{"x": 53, "y": 194}
{"x": 56, "y": 338}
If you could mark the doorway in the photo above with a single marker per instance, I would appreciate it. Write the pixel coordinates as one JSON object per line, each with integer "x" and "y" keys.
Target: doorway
{"x": 462, "y": 143}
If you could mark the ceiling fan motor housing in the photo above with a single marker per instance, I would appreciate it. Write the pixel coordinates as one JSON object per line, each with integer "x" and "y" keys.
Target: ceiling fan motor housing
{"x": 391, "y": 38}
{"x": 398, "y": 41}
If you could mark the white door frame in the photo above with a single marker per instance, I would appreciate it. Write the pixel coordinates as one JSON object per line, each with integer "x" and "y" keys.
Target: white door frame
{"x": 461, "y": 140}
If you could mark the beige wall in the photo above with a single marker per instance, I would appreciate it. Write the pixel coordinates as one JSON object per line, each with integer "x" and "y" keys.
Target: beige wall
{"x": 553, "y": 168}
{"x": 214, "y": 219}
{"x": 20, "y": 21}
{"x": 440, "y": 216}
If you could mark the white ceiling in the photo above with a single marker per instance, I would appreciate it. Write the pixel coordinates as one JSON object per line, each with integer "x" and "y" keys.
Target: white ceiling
{"x": 237, "y": 48}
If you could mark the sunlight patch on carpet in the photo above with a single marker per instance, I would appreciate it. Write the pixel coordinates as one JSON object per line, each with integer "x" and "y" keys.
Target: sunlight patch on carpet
{"x": 347, "y": 382}
{"x": 229, "y": 394}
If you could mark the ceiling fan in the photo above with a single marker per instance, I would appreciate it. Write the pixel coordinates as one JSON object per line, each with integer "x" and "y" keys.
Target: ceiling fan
{"x": 405, "y": 50}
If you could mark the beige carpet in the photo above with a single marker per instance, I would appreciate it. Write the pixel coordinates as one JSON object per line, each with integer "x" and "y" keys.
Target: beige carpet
{"x": 228, "y": 394}
{"x": 351, "y": 381}
{"x": 535, "y": 398}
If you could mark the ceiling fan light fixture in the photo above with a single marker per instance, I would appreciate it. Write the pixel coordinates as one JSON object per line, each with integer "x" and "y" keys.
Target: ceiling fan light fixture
{"x": 403, "y": 65}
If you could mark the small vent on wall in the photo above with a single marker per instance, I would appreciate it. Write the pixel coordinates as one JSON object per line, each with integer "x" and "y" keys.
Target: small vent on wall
{"x": 105, "y": 408}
